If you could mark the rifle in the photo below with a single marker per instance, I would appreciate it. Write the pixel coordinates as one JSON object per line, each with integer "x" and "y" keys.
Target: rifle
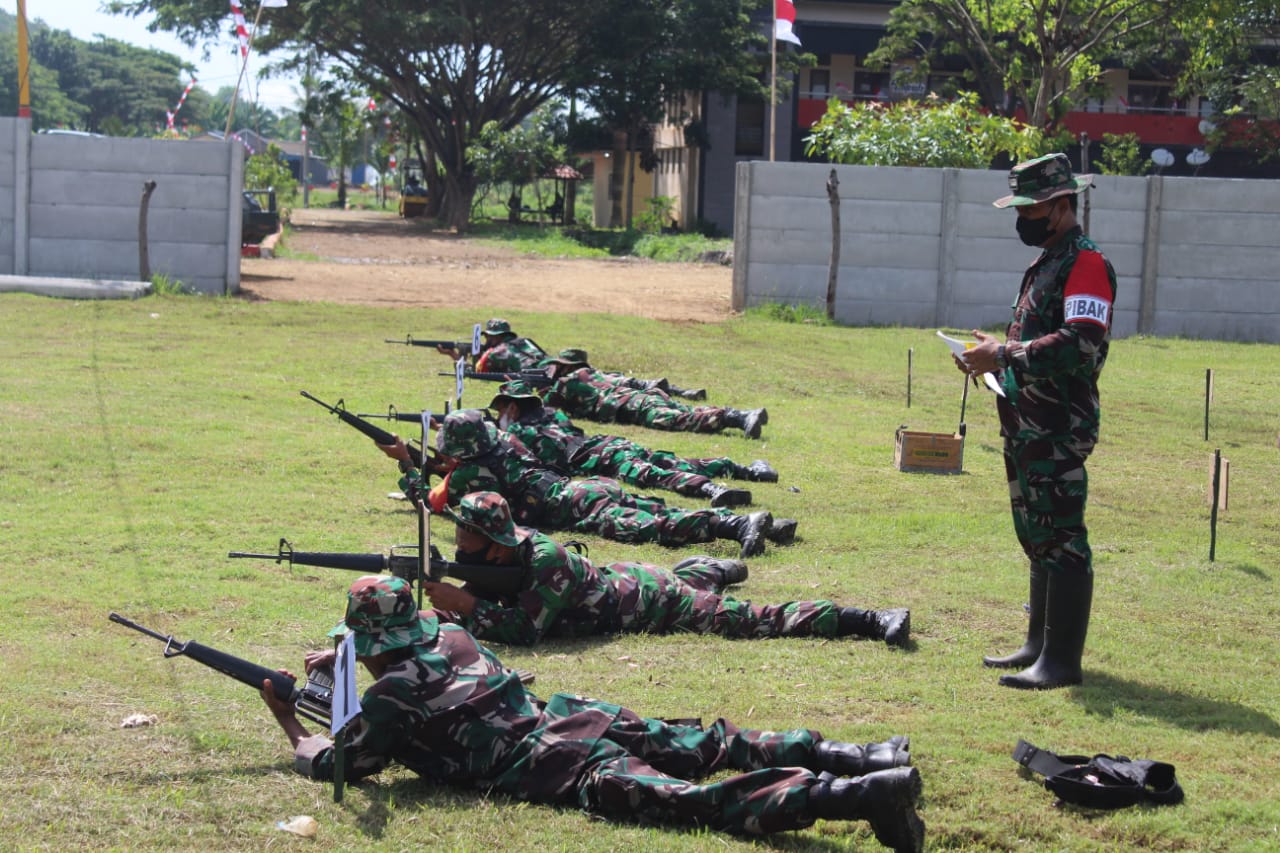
{"x": 394, "y": 414}
{"x": 410, "y": 340}
{"x": 379, "y": 435}
{"x": 314, "y": 700}
{"x": 403, "y": 562}
{"x": 536, "y": 378}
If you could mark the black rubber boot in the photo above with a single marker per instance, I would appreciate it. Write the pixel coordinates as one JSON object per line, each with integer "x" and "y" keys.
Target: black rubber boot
{"x": 886, "y": 799}
{"x": 724, "y": 496}
{"x": 1030, "y": 650}
{"x": 731, "y": 571}
{"x": 858, "y": 759}
{"x": 892, "y": 626}
{"x": 782, "y": 531}
{"x": 1066, "y": 623}
{"x": 752, "y": 421}
{"x": 748, "y": 530}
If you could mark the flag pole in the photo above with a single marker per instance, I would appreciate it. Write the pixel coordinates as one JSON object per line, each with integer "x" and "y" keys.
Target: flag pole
{"x": 231, "y": 111}
{"x": 773, "y": 82}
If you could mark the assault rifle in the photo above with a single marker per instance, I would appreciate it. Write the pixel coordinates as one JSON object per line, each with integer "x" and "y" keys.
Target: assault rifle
{"x": 314, "y": 700}
{"x": 378, "y": 434}
{"x": 536, "y": 378}
{"x": 410, "y": 340}
{"x": 395, "y": 415}
{"x": 403, "y": 562}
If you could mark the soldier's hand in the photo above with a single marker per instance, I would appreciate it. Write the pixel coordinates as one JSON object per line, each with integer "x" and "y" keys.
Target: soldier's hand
{"x": 316, "y": 660}
{"x": 982, "y": 357}
{"x": 397, "y": 451}
{"x": 280, "y": 708}
{"x": 446, "y": 596}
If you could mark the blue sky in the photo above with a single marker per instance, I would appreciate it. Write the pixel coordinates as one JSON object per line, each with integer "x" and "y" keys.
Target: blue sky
{"x": 84, "y": 19}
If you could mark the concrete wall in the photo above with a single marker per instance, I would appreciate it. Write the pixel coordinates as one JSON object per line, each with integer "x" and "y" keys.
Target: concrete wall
{"x": 69, "y": 207}
{"x": 1196, "y": 257}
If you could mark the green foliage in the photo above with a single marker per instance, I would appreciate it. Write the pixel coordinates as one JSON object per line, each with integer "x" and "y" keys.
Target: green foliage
{"x": 932, "y": 132}
{"x": 520, "y": 155}
{"x": 183, "y": 448}
{"x": 782, "y": 312}
{"x": 270, "y": 169}
{"x": 163, "y": 285}
{"x": 1121, "y": 156}
{"x": 656, "y": 214}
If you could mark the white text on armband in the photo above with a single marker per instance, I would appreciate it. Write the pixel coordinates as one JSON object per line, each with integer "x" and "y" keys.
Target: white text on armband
{"x": 1089, "y": 308}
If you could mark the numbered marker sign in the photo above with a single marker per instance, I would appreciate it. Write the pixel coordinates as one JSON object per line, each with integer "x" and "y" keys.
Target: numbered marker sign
{"x": 475, "y": 339}
{"x": 346, "y": 703}
{"x": 459, "y": 369}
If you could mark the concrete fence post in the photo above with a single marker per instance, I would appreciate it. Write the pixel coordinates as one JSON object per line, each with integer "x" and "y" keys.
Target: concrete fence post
{"x": 1150, "y": 256}
{"x": 950, "y": 223}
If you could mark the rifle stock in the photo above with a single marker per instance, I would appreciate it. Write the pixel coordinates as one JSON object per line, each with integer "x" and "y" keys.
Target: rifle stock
{"x": 314, "y": 700}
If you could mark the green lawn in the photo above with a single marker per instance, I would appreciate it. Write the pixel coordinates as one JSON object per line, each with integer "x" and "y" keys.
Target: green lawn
{"x": 144, "y": 440}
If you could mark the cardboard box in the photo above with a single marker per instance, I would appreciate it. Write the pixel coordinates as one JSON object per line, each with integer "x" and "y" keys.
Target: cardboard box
{"x": 933, "y": 452}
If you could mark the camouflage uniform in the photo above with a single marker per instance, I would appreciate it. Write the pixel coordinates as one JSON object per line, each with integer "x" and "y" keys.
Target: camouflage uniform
{"x": 492, "y": 461}
{"x": 565, "y": 595}
{"x": 552, "y": 437}
{"x": 583, "y": 391}
{"x": 504, "y": 352}
{"x": 448, "y": 710}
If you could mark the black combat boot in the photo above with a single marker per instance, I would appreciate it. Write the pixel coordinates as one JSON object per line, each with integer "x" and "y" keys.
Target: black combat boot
{"x": 782, "y": 531}
{"x": 892, "y": 626}
{"x": 695, "y": 394}
{"x": 747, "y": 420}
{"x": 724, "y": 496}
{"x": 731, "y": 571}
{"x": 855, "y": 759}
{"x": 1030, "y": 651}
{"x": 748, "y": 530}
{"x": 886, "y": 799}
{"x": 1066, "y": 622}
{"x": 758, "y": 471}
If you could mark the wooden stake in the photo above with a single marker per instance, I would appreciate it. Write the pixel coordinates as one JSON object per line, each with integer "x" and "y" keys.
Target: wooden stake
{"x": 1213, "y": 507}
{"x": 910, "y": 351}
{"x": 1208, "y": 397}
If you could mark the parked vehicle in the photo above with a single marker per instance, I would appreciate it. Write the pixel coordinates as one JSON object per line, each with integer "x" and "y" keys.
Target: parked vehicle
{"x": 259, "y": 218}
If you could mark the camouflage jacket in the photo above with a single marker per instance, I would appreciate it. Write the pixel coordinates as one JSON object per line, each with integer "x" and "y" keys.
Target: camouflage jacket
{"x": 566, "y": 596}
{"x": 511, "y": 471}
{"x": 510, "y": 356}
{"x": 587, "y": 392}
{"x": 549, "y": 435}
{"x": 1057, "y": 345}
{"x": 452, "y": 714}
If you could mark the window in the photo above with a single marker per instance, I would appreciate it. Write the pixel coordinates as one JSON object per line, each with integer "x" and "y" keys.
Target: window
{"x": 1151, "y": 98}
{"x": 819, "y": 83}
{"x": 749, "y": 128}
{"x": 869, "y": 84}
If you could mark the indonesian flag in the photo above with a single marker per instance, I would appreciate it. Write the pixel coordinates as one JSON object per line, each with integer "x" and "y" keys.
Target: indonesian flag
{"x": 242, "y": 30}
{"x": 784, "y": 19}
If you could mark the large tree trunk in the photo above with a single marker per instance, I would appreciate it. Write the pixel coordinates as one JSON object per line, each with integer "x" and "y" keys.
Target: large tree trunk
{"x": 460, "y": 191}
{"x": 431, "y": 178}
{"x": 617, "y": 176}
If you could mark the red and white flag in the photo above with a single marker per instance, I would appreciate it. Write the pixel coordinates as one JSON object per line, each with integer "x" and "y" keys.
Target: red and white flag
{"x": 784, "y": 20}
{"x": 242, "y": 28}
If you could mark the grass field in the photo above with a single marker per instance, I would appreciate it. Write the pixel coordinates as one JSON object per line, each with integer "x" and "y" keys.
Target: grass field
{"x": 144, "y": 440}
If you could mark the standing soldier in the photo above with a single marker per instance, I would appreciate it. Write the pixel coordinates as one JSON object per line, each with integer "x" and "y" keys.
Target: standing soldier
{"x": 551, "y": 436}
{"x": 563, "y": 594}
{"x": 585, "y": 392}
{"x": 1048, "y": 367}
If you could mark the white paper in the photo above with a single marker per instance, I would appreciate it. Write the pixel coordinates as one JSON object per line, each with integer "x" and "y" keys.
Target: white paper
{"x": 958, "y": 348}
{"x": 346, "y": 702}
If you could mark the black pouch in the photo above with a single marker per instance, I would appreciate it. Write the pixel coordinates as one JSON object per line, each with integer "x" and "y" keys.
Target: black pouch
{"x": 1103, "y": 781}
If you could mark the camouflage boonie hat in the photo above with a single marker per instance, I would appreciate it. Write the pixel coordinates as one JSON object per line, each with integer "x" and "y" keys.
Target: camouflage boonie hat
{"x": 573, "y": 355}
{"x": 381, "y": 614}
{"x": 489, "y": 514}
{"x": 515, "y": 390}
{"x": 1041, "y": 179}
{"x": 498, "y": 326}
{"x": 466, "y": 433}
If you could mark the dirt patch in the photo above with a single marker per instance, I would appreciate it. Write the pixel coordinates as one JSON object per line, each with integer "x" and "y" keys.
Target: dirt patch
{"x": 377, "y": 258}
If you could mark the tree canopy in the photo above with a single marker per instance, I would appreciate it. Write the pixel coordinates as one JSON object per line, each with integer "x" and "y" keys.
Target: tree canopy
{"x": 454, "y": 67}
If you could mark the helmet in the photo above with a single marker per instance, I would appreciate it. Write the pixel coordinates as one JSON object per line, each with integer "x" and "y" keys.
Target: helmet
{"x": 489, "y": 514}
{"x": 572, "y": 355}
{"x": 497, "y": 326}
{"x": 381, "y": 614}
{"x": 466, "y": 433}
{"x": 518, "y": 391}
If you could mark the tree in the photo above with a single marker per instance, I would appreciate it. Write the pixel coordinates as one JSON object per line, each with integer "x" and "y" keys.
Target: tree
{"x": 451, "y": 66}
{"x": 1040, "y": 55}
{"x": 521, "y": 155}
{"x": 919, "y": 133}
{"x": 333, "y": 115}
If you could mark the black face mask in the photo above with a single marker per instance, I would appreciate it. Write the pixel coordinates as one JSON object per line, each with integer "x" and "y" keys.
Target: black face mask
{"x": 471, "y": 557}
{"x": 1034, "y": 232}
